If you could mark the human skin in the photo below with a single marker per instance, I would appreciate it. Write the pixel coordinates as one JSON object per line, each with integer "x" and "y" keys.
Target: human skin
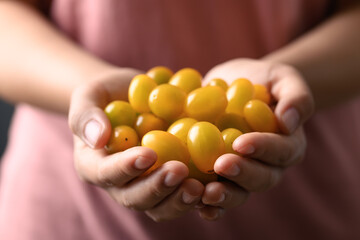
{"x": 76, "y": 83}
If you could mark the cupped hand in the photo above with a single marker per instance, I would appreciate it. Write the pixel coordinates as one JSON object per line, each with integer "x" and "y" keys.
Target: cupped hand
{"x": 262, "y": 157}
{"x": 164, "y": 194}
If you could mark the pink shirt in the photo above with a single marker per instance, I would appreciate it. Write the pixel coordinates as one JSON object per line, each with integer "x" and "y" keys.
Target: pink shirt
{"x": 42, "y": 198}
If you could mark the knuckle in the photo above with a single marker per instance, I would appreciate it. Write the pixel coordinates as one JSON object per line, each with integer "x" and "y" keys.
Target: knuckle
{"x": 156, "y": 218}
{"x": 244, "y": 197}
{"x": 156, "y": 191}
{"x": 103, "y": 178}
{"x": 284, "y": 159}
{"x": 130, "y": 204}
{"x": 272, "y": 179}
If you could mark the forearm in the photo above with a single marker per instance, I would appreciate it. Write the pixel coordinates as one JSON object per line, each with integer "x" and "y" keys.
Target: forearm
{"x": 328, "y": 57}
{"x": 38, "y": 65}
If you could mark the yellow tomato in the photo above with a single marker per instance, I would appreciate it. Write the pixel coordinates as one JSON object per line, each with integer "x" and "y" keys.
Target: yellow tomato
{"x": 139, "y": 91}
{"x": 180, "y": 128}
{"x": 167, "y": 101}
{"x": 167, "y": 147}
{"x": 120, "y": 113}
{"x": 260, "y": 116}
{"x": 218, "y": 82}
{"x": 187, "y": 79}
{"x": 206, "y": 103}
{"x": 232, "y": 120}
{"x": 204, "y": 178}
{"x": 261, "y": 93}
{"x": 122, "y": 138}
{"x": 160, "y": 74}
{"x": 147, "y": 122}
{"x": 238, "y": 94}
{"x": 205, "y": 144}
{"x": 229, "y": 136}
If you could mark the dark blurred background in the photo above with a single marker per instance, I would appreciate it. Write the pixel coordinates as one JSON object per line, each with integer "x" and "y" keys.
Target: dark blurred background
{"x": 6, "y": 111}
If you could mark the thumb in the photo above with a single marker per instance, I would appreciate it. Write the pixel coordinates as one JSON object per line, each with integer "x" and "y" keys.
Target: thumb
{"x": 295, "y": 103}
{"x": 87, "y": 119}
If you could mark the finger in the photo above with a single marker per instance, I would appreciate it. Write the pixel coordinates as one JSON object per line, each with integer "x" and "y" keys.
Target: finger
{"x": 224, "y": 194}
{"x": 87, "y": 119}
{"x": 119, "y": 168}
{"x": 247, "y": 173}
{"x": 295, "y": 103}
{"x": 211, "y": 213}
{"x": 180, "y": 202}
{"x": 98, "y": 168}
{"x": 274, "y": 149}
{"x": 145, "y": 192}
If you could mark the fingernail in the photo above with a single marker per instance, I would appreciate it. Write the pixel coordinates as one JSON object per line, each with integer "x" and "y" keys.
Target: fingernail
{"x": 291, "y": 119}
{"x": 172, "y": 179}
{"x": 188, "y": 198}
{"x": 232, "y": 171}
{"x": 142, "y": 163}
{"x": 246, "y": 150}
{"x": 221, "y": 199}
{"x": 92, "y": 132}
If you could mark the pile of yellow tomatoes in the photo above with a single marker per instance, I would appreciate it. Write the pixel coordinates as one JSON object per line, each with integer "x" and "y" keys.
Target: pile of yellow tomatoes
{"x": 177, "y": 117}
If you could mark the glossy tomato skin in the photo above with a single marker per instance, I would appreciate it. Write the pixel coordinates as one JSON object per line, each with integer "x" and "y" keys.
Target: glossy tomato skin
{"x": 238, "y": 94}
{"x": 260, "y": 117}
{"x": 261, "y": 93}
{"x": 232, "y": 120}
{"x": 205, "y": 144}
{"x": 206, "y": 103}
{"x": 187, "y": 79}
{"x": 160, "y": 74}
{"x": 167, "y": 101}
{"x": 219, "y": 82}
{"x": 167, "y": 147}
{"x": 181, "y": 127}
{"x": 120, "y": 113}
{"x": 229, "y": 135}
{"x": 139, "y": 91}
{"x": 147, "y": 122}
{"x": 122, "y": 138}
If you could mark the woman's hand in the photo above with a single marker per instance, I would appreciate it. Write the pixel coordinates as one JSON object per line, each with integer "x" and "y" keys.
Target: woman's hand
{"x": 164, "y": 194}
{"x": 262, "y": 157}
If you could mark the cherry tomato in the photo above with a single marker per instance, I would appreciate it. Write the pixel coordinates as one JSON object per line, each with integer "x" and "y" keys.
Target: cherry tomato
{"x": 229, "y": 136}
{"x": 206, "y": 103}
{"x": 205, "y": 144}
{"x": 167, "y": 101}
{"x": 160, "y": 74}
{"x": 238, "y": 94}
{"x": 260, "y": 116}
{"x": 180, "y": 128}
{"x": 122, "y": 138}
{"x": 167, "y": 147}
{"x": 139, "y": 91}
{"x": 218, "y": 82}
{"x": 187, "y": 79}
{"x": 261, "y": 93}
{"x": 204, "y": 178}
{"x": 120, "y": 113}
{"x": 147, "y": 122}
{"x": 232, "y": 120}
